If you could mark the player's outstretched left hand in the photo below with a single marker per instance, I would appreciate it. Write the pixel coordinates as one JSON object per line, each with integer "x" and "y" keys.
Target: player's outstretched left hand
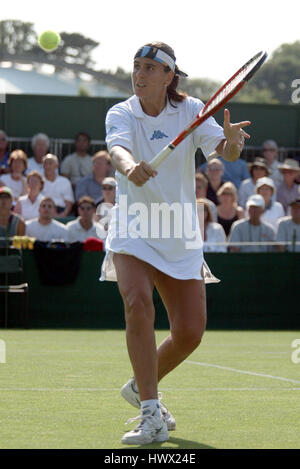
{"x": 234, "y": 133}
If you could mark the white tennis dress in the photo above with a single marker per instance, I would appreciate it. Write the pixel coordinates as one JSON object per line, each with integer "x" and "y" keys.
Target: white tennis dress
{"x": 158, "y": 222}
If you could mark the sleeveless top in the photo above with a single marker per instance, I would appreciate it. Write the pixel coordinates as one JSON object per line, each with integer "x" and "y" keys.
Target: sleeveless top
{"x": 226, "y": 223}
{"x": 11, "y": 228}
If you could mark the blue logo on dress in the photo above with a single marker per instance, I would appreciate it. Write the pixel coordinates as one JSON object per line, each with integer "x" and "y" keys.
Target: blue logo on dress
{"x": 157, "y": 134}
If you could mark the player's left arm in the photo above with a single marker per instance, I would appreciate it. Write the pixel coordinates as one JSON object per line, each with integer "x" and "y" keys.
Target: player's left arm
{"x": 231, "y": 147}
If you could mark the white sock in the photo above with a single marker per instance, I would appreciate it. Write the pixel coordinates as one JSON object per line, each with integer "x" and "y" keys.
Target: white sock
{"x": 151, "y": 405}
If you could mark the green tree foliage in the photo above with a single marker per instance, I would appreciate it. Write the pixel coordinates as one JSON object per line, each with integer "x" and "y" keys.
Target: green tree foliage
{"x": 76, "y": 49}
{"x": 20, "y": 40}
{"x": 123, "y": 76}
{"x": 16, "y": 37}
{"x": 271, "y": 84}
{"x": 273, "y": 81}
{"x": 202, "y": 88}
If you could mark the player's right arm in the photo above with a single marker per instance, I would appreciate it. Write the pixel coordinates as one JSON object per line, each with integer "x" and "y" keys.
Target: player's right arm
{"x": 119, "y": 139}
{"x": 138, "y": 173}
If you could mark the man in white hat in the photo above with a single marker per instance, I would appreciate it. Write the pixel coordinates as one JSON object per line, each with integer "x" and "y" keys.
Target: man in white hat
{"x": 289, "y": 229}
{"x": 270, "y": 153}
{"x": 252, "y": 229}
{"x": 103, "y": 214}
{"x": 258, "y": 169}
{"x": 273, "y": 210}
{"x": 288, "y": 190}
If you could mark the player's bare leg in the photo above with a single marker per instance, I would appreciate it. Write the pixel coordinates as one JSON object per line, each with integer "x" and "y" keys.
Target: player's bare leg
{"x": 185, "y": 301}
{"x": 136, "y": 283}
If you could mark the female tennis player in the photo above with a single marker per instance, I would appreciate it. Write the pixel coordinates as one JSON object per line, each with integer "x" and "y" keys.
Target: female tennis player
{"x": 139, "y": 253}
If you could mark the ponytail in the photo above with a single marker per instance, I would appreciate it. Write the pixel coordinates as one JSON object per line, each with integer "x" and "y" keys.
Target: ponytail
{"x": 175, "y": 95}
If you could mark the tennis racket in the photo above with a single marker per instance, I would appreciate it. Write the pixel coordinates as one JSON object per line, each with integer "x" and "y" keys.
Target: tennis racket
{"x": 222, "y": 96}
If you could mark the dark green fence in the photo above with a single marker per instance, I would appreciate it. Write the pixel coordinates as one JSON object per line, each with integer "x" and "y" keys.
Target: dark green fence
{"x": 257, "y": 291}
{"x": 57, "y": 116}
{"x": 63, "y": 117}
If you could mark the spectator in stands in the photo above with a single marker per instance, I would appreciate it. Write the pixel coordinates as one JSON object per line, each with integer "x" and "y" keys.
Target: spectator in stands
{"x": 214, "y": 172}
{"x": 288, "y": 190}
{"x": 201, "y": 184}
{"x": 288, "y": 230}
{"x": 273, "y": 210}
{"x": 40, "y": 144}
{"x": 78, "y": 164}
{"x": 57, "y": 187}
{"x": 228, "y": 209}
{"x": 92, "y": 185}
{"x": 10, "y": 224}
{"x": 252, "y": 229}
{"x": 84, "y": 226}
{"x": 103, "y": 215}
{"x": 45, "y": 228}
{"x": 211, "y": 231}
{"x": 27, "y": 205}
{"x": 15, "y": 179}
{"x": 4, "y": 153}
{"x": 234, "y": 171}
{"x": 270, "y": 154}
{"x": 258, "y": 169}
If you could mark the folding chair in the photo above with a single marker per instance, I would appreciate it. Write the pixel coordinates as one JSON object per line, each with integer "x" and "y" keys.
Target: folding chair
{"x": 11, "y": 263}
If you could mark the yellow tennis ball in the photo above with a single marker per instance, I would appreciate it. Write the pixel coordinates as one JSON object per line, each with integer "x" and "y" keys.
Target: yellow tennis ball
{"x": 49, "y": 41}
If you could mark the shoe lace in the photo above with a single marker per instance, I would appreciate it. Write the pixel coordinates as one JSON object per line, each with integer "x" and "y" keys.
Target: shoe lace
{"x": 139, "y": 417}
{"x": 163, "y": 407}
{"x": 142, "y": 419}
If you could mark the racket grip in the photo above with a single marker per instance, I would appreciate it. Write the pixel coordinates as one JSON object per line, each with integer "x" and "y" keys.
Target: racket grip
{"x": 160, "y": 157}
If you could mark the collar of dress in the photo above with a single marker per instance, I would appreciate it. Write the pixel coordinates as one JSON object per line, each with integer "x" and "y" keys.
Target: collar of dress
{"x": 139, "y": 113}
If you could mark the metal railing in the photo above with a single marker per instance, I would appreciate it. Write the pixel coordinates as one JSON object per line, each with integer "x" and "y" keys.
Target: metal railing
{"x": 59, "y": 146}
{"x": 227, "y": 244}
{"x": 64, "y": 146}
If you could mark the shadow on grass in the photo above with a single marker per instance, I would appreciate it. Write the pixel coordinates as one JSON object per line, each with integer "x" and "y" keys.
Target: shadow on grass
{"x": 176, "y": 443}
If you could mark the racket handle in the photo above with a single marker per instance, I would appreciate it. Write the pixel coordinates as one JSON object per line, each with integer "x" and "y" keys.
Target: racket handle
{"x": 161, "y": 156}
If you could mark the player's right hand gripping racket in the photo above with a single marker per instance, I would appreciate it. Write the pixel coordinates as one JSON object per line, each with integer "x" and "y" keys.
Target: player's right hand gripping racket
{"x": 221, "y": 97}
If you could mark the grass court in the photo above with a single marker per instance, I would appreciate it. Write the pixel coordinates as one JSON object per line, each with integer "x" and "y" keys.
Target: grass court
{"x": 61, "y": 389}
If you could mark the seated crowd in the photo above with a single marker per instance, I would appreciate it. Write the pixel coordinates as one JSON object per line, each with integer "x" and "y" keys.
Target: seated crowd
{"x": 248, "y": 206}
{"x": 241, "y": 207}
{"x": 42, "y": 199}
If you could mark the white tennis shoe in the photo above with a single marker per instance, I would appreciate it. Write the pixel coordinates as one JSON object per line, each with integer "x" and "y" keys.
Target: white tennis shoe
{"x": 152, "y": 428}
{"x": 131, "y": 394}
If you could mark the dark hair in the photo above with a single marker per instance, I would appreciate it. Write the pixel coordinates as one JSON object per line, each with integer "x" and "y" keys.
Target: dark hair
{"x": 174, "y": 95}
{"x": 83, "y": 134}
